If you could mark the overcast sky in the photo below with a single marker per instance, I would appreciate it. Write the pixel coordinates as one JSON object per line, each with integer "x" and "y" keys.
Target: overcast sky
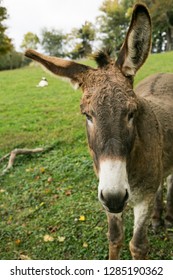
{"x": 34, "y": 15}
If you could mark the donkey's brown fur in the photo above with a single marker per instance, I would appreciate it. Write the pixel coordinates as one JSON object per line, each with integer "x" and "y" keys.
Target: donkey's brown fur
{"x": 129, "y": 132}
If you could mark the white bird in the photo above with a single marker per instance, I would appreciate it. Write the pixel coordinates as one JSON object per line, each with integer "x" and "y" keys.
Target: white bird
{"x": 43, "y": 82}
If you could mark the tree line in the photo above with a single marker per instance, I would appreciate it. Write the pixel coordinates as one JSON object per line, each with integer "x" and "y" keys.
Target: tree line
{"x": 107, "y": 32}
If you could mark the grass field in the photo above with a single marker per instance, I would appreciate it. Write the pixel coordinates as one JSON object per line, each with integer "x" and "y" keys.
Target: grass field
{"x": 48, "y": 202}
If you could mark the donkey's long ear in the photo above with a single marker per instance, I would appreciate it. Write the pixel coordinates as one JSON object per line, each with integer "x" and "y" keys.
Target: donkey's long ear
{"x": 137, "y": 42}
{"x": 61, "y": 67}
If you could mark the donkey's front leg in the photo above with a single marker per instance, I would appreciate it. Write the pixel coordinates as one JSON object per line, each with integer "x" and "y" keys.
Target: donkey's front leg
{"x": 139, "y": 242}
{"x": 115, "y": 235}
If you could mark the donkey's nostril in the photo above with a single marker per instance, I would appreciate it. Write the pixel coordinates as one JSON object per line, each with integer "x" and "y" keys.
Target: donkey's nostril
{"x": 126, "y": 196}
{"x": 101, "y": 196}
{"x": 113, "y": 202}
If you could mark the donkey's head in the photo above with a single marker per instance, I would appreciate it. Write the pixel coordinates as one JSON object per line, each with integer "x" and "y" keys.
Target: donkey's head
{"x": 110, "y": 106}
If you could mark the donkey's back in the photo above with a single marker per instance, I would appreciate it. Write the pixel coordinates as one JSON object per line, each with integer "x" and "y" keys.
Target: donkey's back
{"x": 157, "y": 86}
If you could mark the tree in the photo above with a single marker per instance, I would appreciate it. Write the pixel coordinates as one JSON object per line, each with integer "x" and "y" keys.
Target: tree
{"x": 162, "y": 19}
{"x": 162, "y": 24}
{"x": 87, "y": 34}
{"x": 52, "y": 42}
{"x": 115, "y": 19}
{"x": 81, "y": 39}
{"x": 113, "y": 23}
{"x": 12, "y": 60}
{"x": 5, "y": 41}
{"x": 30, "y": 41}
{"x": 77, "y": 51}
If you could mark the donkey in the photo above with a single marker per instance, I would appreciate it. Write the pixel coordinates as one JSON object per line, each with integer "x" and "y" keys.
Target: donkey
{"x": 130, "y": 132}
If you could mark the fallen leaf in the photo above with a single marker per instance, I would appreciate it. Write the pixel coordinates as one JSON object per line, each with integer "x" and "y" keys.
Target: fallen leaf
{"x": 42, "y": 169}
{"x": 56, "y": 196}
{"x": 82, "y": 218}
{"x": 48, "y": 238}
{"x": 50, "y": 179}
{"x": 61, "y": 238}
{"x": 85, "y": 245}
{"x": 17, "y": 241}
{"x": 28, "y": 169}
{"x": 68, "y": 193}
{"x": 24, "y": 257}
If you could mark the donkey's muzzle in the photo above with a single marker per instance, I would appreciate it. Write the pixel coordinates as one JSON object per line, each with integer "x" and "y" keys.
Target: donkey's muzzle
{"x": 114, "y": 203}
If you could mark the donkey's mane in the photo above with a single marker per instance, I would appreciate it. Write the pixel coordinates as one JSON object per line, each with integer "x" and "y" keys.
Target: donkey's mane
{"x": 103, "y": 57}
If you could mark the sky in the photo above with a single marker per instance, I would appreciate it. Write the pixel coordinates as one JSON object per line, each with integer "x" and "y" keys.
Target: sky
{"x": 34, "y": 15}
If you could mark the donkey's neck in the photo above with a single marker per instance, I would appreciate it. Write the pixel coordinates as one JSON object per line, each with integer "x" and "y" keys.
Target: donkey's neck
{"x": 148, "y": 125}
{"x": 144, "y": 164}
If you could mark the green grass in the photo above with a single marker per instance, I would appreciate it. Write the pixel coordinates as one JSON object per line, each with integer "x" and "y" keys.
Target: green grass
{"x": 45, "y": 195}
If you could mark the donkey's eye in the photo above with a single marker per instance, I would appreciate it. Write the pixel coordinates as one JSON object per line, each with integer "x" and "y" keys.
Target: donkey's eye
{"x": 130, "y": 117}
{"x": 88, "y": 117}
